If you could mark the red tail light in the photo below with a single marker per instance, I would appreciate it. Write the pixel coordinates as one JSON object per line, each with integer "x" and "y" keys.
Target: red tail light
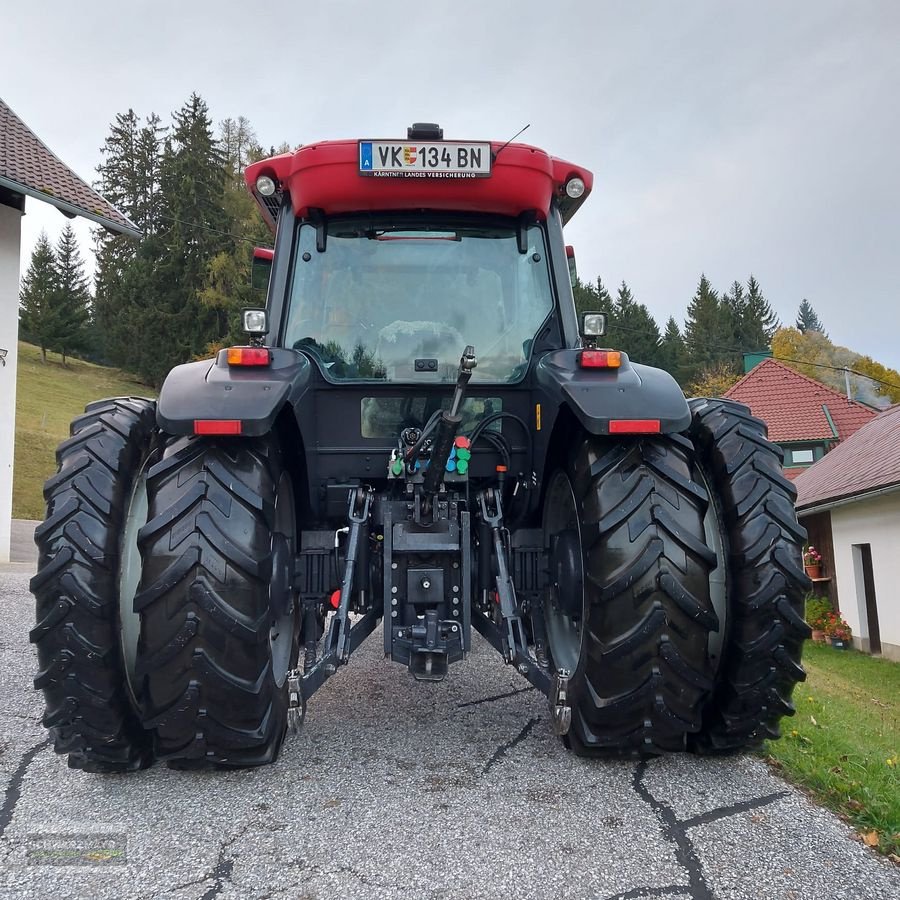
{"x": 249, "y": 356}
{"x": 600, "y": 359}
{"x": 634, "y": 426}
{"x": 217, "y": 426}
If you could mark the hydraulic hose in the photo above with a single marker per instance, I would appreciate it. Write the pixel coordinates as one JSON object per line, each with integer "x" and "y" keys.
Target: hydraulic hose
{"x": 440, "y": 451}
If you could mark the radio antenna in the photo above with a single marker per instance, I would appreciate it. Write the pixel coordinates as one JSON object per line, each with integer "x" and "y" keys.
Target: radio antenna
{"x": 511, "y": 140}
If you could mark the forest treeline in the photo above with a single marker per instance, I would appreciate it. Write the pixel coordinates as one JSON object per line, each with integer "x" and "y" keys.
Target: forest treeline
{"x": 176, "y": 294}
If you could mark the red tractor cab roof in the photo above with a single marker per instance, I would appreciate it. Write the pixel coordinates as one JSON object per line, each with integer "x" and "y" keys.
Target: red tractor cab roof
{"x": 327, "y": 176}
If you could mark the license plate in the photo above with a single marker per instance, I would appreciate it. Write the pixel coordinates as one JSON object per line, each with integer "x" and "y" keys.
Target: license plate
{"x": 424, "y": 159}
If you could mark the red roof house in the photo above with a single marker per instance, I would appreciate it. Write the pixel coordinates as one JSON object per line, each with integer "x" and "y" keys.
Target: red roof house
{"x": 804, "y": 416}
{"x": 867, "y": 463}
{"x": 849, "y": 502}
{"x": 29, "y": 168}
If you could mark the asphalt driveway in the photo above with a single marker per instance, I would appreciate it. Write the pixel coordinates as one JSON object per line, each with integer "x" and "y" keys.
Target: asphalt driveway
{"x": 403, "y": 790}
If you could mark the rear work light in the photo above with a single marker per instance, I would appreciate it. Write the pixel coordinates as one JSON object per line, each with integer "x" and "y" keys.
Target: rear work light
{"x": 575, "y": 187}
{"x": 634, "y": 426}
{"x": 217, "y": 426}
{"x": 248, "y": 356}
{"x": 600, "y": 359}
{"x": 265, "y": 184}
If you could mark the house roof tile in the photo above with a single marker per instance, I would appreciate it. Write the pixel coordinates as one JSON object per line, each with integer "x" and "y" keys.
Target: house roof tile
{"x": 29, "y": 167}
{"x": 867, "y": 461}
{"x": 794, "y": 406}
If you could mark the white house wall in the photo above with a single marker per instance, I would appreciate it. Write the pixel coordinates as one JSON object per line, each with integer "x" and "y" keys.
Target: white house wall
{"x": 875, "y": 522}
{"x": 10, "y": 237}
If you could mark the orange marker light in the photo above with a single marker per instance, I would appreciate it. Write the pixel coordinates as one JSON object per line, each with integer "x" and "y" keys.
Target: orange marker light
{"x": 248, "y": 356}
{"x": 600, "y": 359}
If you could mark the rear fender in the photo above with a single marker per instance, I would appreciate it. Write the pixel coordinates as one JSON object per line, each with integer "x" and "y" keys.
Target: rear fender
{"x": 252, "y": 395}
{"x": 597, "y": 396}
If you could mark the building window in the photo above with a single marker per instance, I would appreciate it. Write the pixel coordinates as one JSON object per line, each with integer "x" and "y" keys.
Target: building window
{"x": 805, "y": 454}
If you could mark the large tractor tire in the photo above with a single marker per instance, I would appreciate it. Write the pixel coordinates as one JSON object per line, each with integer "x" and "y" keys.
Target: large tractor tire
{"x": 633, "y": 541}
{"x": 88, "y": 565}
{"x": 218, "y": 625}
{"x": 765, "y": 629}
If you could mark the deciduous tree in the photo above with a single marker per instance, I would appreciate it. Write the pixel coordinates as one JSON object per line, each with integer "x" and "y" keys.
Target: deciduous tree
{"x": 713, "y": 382}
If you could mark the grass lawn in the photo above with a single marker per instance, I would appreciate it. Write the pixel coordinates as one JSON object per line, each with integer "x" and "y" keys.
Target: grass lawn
{"x": 48, "y": 397}
{"x": 843, "y": 744}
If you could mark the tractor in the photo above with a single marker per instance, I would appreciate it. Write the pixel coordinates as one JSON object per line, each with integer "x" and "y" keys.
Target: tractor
{"x": 420, "y": 436}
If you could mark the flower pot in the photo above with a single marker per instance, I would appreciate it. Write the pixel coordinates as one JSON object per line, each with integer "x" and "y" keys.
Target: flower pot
{"x": 814, "y": 571}
{"x": 819, "y": 636}
{"x": 839, "y": 643}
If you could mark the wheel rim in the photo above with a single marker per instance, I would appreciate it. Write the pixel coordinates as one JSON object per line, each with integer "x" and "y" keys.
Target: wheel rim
{"x": 283, "y": 623}
{"x": 564, "y": 613}
{"x": 718, "y": 578}
{"x": 130, "y": 576}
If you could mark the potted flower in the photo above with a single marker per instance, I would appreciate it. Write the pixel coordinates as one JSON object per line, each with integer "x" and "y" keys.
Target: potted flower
{"x": 818, "y": 613}
{"x": 838, "y": 631}
{"x": 812, "y": 561}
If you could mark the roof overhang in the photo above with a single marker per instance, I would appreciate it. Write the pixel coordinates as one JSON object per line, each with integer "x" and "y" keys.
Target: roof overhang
{"x": 70, "y": 209}
{"x": 826, "y": 505}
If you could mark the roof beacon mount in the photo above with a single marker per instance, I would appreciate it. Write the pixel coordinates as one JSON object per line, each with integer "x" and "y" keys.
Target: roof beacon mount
{"x": 425, "y": 131}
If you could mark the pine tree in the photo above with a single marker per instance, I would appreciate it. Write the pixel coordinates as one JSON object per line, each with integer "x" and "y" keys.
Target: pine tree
{"x": 761, "y": 322}
{"x": 170, "y": 272}
{"x": 807, "y": 320}
{"x": 591, "y": 298}
{"x": 633, "y": 329}
{"x": 734, "y": 318}
{"x": 130, "y": 179}
{"x": 672, "y": 351}
{"x": 72, "y": 298}
{"x": 38, "y": 313}
{"x": 708, "y": 333}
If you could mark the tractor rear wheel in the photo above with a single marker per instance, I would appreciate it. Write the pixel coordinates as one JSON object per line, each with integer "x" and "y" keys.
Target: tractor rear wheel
{"x": 766, "y": 628}
{"x": 85, "y": 580}
{"x": 216, "y": 601}
{"x": 633, "y": 539}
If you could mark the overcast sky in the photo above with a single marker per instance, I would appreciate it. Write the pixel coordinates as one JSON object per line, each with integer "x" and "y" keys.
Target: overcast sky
{"x": 726, "y": 138}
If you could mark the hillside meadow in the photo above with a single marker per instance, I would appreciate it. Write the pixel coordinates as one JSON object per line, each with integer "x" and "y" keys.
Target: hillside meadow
{"x": 48, "y": 396}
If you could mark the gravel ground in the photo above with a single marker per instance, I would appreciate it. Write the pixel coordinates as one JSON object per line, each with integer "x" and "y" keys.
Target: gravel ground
{"x": 403, "y": 790}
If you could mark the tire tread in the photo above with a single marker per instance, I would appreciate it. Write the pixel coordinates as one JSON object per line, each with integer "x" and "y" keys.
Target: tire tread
{"x": 88, "y": 710}
{"x": 766, "y": 626}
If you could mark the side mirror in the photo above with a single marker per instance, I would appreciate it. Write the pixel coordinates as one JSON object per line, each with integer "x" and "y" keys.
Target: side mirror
{"x": 593, "y": 326}
{"x": 570, "y": 259}
{"x": 261, "y": 269}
